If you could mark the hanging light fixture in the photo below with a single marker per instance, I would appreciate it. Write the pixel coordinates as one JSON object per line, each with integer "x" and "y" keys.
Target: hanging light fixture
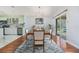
{"x": 39, "y": 11}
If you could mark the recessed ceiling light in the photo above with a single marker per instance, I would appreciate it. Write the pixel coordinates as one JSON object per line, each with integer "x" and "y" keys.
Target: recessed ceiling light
{"x": 39, "y": 7}
{"x": 13, "y": 6}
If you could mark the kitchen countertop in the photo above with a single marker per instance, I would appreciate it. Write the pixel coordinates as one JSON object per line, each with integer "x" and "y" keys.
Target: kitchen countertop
{"x": 5, "y": 40}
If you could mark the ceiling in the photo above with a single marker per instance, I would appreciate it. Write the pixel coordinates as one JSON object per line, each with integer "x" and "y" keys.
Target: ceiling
{"x": 29, "y": 10}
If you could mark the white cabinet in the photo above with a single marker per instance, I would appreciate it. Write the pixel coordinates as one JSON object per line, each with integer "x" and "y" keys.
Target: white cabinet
{"x": 1, "y": 31}
{"x": 1, "y": 34}
{"x": 10, "y": 30}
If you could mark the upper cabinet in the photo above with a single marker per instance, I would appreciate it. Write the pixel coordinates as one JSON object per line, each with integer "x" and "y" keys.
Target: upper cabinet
{"x": 12, "y": 21}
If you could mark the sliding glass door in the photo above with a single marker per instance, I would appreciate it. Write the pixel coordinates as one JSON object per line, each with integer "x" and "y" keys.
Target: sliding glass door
{"x": 58, "y": 22}
{"x": 61, "y": 26}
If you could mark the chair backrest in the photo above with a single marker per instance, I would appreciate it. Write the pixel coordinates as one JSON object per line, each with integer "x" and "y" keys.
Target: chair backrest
{"x": 38, "y": 34}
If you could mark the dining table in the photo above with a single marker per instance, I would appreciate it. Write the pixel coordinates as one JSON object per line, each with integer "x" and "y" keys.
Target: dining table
{"x": 45, "y": 33}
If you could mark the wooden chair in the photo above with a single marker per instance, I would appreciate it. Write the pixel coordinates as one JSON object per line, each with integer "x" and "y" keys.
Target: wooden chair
{"x": 38, "y": 39}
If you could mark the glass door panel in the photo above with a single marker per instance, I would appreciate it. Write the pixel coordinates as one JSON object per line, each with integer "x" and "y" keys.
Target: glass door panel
{"x": 58, "y": 26}
{"x": 61, "y": 26}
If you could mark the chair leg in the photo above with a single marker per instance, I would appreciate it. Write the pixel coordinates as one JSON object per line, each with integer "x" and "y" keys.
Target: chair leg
{"x": 33, "y": 46}
{"x": 43, "y": 48}
{"x": 33, "y": 49}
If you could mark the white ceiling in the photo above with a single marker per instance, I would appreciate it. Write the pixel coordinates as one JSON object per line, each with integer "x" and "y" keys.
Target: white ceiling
{"x": 29, "y": 10}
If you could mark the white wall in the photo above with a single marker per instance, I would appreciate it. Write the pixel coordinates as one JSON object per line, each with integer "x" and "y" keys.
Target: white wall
{"x": 30, "y": 21}
{"x": 73, "y": 25}
{"x": 54, "y": 26}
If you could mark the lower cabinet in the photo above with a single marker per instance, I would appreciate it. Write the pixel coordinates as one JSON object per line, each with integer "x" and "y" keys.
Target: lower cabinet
{"x": 19, "y": 31}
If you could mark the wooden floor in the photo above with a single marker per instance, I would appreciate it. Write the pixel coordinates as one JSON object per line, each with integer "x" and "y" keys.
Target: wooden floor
{"x": 10, "y": 48}
{"x": 71, "y": 49}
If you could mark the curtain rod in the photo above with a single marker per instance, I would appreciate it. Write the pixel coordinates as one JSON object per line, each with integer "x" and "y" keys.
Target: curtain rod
{"x": 61, "y": 12}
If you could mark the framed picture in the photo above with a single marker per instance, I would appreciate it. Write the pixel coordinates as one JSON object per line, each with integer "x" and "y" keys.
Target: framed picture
{"x": 39, "y": 21}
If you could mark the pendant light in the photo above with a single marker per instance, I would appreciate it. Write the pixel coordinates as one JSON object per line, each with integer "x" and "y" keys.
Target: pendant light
{"x": 39, "y": 12}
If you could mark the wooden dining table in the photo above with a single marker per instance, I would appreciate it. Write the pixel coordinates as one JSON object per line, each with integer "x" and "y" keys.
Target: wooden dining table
{"x": 45, "y": 33}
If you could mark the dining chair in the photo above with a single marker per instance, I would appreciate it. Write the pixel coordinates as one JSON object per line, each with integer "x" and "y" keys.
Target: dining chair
{"x": 50, "y": 33}
{"x": 38, "y": 39}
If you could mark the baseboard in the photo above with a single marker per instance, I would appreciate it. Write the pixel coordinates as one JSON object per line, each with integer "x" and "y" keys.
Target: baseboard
{"x": 72, "y": 44}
